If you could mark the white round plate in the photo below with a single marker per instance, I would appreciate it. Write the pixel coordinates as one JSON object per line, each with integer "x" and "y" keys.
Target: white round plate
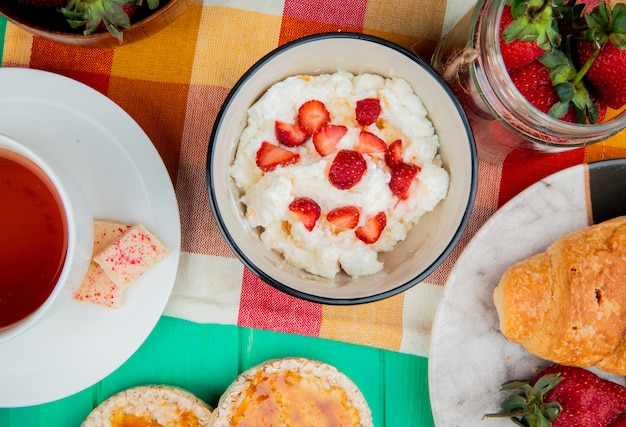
{"x": 469, "y": 358}
{"x": 124, "y": 179}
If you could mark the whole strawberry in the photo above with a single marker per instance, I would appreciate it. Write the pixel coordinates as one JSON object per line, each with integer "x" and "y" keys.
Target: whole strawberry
{"x": 561, "y": 396}
{"x": 584, "y": 397}
{"x": 98, "y": 15}
{"x": 602, "y": 53}
{"x": 527, "y": 30}
{"x": 533, "y": 82}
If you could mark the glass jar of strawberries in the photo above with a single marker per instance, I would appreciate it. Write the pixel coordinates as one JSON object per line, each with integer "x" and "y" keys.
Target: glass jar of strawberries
{"x": 548, "y": 74}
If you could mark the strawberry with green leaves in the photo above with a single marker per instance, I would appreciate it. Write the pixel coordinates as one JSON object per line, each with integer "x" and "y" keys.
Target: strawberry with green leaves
{"x": 97, "y": 15}
{"x": 537, "y": 44}
{"x": 528, "y": 29}
{"x": 553, "y": 85}
{"x": 561, "y": 396}
{"x": 602, "y": 52}
{"x": 533, "y": 82}
{"x": 574, "y": 95}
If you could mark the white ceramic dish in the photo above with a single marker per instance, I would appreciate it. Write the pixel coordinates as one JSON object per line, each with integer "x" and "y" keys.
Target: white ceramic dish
{"x": 76, "y": 344}
{"x": 469, "y": 358}
{"x": 436, "y": 233}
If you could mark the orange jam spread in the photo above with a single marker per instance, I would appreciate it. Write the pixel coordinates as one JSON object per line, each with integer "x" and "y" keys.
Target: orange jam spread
{"x": 287, "y": 398}
{"x": 181, "y": 419}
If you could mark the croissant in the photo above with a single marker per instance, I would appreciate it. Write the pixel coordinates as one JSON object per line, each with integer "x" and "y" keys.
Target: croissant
{"x": 568, "y": 304}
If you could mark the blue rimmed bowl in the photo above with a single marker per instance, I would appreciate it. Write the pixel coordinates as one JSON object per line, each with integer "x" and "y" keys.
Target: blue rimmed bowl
{"x": 427, "y": 244}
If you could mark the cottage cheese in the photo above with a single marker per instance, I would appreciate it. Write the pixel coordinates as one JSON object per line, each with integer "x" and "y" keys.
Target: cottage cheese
{"x": 266, "y": 195}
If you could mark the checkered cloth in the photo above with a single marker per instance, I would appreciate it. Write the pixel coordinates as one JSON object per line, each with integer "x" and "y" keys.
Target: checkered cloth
{"x": 173, "y": 84}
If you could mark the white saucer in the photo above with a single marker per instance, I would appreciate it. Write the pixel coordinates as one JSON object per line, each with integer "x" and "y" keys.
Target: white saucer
{"x": 124, "y": 179}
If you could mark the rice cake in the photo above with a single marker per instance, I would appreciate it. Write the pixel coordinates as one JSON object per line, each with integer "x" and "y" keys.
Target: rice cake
{"x": 293, "y": 391}
{"x": 151, "y": 406}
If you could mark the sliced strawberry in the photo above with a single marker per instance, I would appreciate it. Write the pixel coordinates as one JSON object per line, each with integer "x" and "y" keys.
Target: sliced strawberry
{"x": 312, "y": 116}
{"x": 367, "y": 111}
{"x": 371, "y": 231}
{"x": 307, "y": 210}
{"x": 270, "y": 156}
{"x": 289, "y": 134}
{"x": 327, "y": 138}
{"x": 344, "y": 217}
{"x": 370, "y": 143}
{"x": 347, "y": 169}
{"x": 394, "y": 154}
{"x": 401, "y": 179}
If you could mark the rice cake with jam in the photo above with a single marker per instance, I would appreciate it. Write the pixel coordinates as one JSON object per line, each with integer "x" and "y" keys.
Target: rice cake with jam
{"x": 293, "y": 392}
{"x": 151, "y": 406}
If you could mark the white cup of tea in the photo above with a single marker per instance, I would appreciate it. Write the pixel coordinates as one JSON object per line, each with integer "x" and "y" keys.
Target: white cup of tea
{"x": 46, "y": 235}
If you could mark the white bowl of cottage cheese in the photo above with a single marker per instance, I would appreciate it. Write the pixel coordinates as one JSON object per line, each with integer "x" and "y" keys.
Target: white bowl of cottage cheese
{"x": 341, "y": 169}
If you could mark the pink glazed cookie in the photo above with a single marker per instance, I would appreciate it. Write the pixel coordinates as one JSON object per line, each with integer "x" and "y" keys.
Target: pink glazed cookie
{"x": 96, "y": 287}
{"x": 128, "y": 257}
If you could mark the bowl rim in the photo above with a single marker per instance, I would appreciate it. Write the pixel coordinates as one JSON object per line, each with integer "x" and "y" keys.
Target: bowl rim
{"x": 305, "y": 295}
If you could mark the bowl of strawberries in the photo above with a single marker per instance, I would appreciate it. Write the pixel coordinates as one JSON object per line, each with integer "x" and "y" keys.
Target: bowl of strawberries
{"x": 93, "y": 23}
{"x": 341, "y": 169}
{"x": 553, "y": 72}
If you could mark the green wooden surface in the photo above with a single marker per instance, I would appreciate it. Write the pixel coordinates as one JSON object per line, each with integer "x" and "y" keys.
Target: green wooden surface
{"x": 3, "y": 27}
{"x": 206, "y": 358}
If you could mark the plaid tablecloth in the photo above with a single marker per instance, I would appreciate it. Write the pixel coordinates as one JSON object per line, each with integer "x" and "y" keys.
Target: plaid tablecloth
{"x": 173, "y": 84}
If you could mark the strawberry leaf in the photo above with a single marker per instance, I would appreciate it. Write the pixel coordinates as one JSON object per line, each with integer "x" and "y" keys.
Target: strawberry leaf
{"x": 533, "y": 20}
{"x": 565, "y": 91}
{"x": 529, "y": 409}
{"x": 619, "y": 18}
{"x": 570, "y": 88}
